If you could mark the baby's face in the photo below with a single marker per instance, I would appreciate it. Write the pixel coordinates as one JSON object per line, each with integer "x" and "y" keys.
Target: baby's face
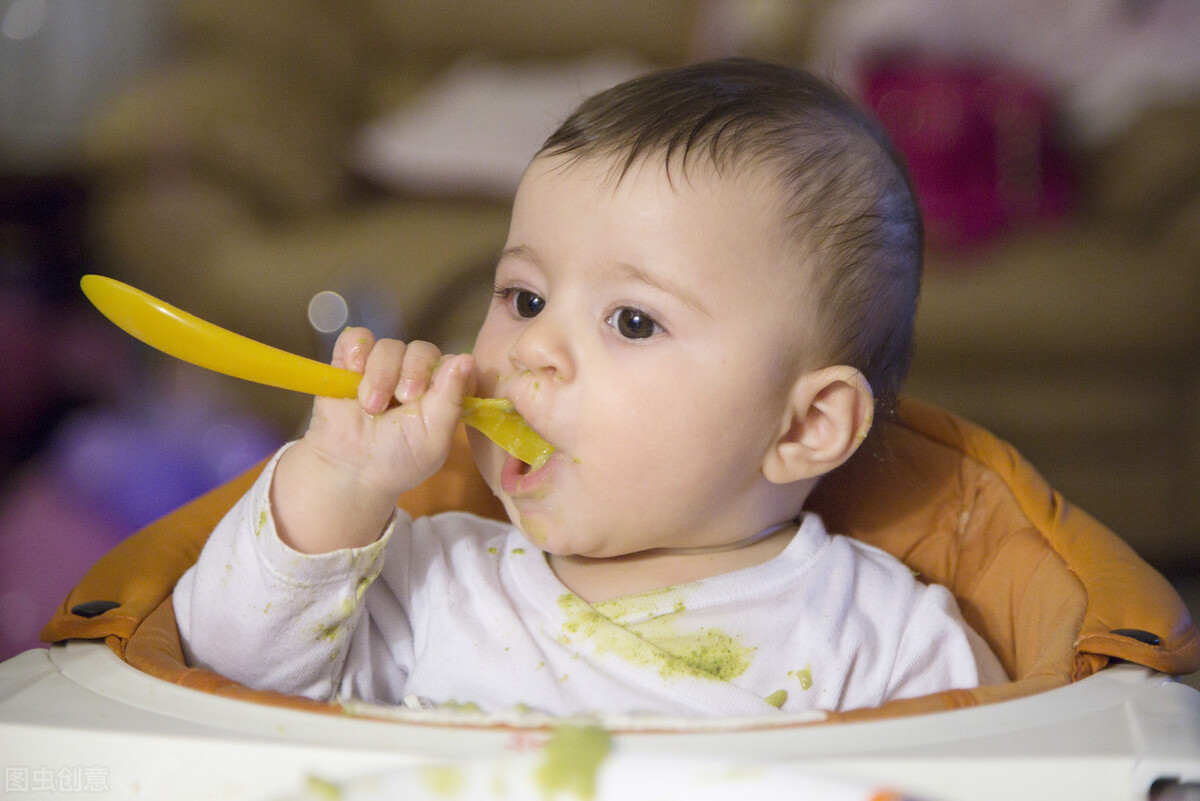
{"x": 646, "y": 329}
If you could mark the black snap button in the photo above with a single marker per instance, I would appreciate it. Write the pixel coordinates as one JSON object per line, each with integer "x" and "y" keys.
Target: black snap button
{"x": 92, "y": 608}
{"x": 1139, "y": 635}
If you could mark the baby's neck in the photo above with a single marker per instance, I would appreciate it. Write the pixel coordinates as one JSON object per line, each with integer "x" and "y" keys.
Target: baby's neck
{"x": 596, "y": 580}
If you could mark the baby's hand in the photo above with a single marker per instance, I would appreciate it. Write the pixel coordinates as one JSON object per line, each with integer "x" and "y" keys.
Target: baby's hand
{"x": 398, "y": 433}
{"x": 337, "y": 487}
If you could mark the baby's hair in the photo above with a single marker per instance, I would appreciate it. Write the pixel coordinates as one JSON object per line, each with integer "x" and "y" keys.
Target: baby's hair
{"x": 847, "y": 195}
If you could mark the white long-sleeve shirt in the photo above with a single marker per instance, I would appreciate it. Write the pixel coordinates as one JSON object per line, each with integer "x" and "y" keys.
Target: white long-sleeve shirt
{"x": 457, "y": 608}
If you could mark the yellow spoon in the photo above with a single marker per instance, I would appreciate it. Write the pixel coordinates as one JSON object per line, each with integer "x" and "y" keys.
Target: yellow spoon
{"x": 187, "y": 337}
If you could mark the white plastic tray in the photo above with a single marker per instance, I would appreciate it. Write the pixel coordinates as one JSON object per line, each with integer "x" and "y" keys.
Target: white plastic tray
{"x": 76, "y": 719}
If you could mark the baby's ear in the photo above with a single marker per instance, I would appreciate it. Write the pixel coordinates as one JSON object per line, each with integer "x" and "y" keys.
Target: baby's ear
{"x": 828, "y": 416}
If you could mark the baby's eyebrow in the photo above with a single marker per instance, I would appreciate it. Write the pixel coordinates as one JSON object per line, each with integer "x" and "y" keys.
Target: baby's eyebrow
{"x": 626, "y": 271}
{"x": 681, "y": 292}
{"x": 522, "y": 252}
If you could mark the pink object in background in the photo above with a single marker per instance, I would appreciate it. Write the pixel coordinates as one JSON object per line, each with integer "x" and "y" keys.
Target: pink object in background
{"x": 27, "y": 367}
{"x": 49, "y": 537}
{"x": 105, "y": 473}
{"x": 94, "y": 444}
{"x": 982, "y": 144}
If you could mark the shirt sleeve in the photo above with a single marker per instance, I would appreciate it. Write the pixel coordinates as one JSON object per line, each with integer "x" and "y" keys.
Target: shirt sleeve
{"x": 939, "y": 651}
{"x": 260, "y": 613}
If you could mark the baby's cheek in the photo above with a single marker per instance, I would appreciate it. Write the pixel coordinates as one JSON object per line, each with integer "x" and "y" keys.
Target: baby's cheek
{"x": 487, "y": 379}
{"x": 478, "y": 444}
{"x": 487, "y": 456}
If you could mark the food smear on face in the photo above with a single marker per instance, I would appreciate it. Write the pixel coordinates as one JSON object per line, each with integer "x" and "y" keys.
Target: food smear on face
{"x": 572, "y": 759}
{"x": 498, "y": 420}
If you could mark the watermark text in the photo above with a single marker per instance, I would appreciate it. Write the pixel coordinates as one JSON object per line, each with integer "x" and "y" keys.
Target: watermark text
{"x": 58, "y": 780}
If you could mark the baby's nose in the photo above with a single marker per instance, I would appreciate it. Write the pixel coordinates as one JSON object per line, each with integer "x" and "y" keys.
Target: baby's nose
{"x": 543, "y": 349}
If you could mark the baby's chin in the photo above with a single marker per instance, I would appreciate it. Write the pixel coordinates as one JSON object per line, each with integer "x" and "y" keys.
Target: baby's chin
{"x": 554, "y": 545}
{"x": 536, "y": 534}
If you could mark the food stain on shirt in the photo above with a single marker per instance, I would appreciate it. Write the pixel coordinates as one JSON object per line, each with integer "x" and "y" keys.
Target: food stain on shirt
{"x": 328, "y": 632}
{"x": 642, "y": 606}
{"x": 804, "y": 676}
{"x": 460, "y": 706}
{"x": 658, "y": 642}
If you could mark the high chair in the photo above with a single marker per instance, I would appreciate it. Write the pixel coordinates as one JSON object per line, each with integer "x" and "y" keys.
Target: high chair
{"x": 1089, "y": 635}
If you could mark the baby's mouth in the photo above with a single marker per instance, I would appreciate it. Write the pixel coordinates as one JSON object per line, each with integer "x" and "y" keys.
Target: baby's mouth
{"x": 497, "y": 418}
{"x": 519, "y": 478}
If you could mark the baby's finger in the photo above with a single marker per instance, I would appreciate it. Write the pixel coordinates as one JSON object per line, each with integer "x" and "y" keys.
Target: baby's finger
{"x": 461, "y": 366}
{"x": 380, "y": 376}
{"x": 420, "y": 360}
{"x": 442, "y": 405}
{"x": 351, "y": 349}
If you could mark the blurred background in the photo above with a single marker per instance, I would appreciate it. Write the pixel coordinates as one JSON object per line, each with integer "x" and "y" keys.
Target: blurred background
{"x": 284, "y": 167}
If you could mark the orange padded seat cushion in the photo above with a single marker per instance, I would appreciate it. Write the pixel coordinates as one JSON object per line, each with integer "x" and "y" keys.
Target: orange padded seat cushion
{"x": 1053, "y": 592}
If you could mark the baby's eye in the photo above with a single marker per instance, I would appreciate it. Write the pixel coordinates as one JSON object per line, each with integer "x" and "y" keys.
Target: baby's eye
{"x": 634, "y": 324}
{"x": 525, "y": 303}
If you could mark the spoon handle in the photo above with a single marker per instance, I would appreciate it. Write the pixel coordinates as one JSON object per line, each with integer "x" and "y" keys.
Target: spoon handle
{"x": 187, "y": 337}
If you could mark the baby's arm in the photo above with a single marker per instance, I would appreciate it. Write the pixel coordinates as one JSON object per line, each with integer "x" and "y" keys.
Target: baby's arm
{"x": 338, "y": 486}
{"x": 258, "y": 612}
{"x": 274, "y": 599}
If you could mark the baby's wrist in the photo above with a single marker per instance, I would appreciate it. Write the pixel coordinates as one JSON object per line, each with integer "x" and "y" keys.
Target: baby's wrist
{"x": 322, "y": 506}
{"x": 351, "y": 482}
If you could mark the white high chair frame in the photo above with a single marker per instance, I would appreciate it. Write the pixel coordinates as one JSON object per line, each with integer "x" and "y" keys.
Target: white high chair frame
{"x": 1124, "y": 733}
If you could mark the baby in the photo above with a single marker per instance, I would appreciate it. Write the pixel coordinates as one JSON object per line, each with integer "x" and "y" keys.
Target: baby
{"x": 707, "y": 293}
